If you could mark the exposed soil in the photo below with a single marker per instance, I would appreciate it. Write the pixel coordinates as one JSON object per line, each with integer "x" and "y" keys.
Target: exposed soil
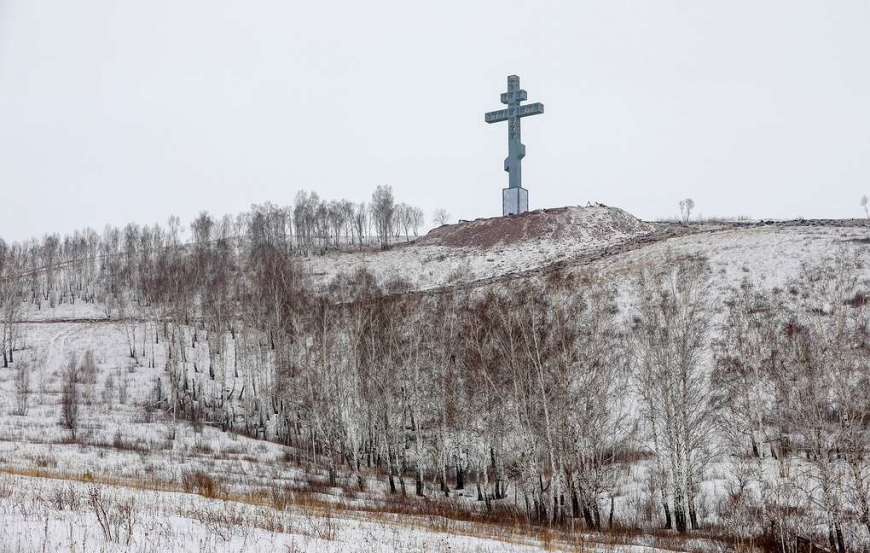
{"x": 563, "y": 223}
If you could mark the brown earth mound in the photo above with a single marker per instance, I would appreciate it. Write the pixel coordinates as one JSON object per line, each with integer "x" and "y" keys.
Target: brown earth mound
{"x": 584, "y": 224}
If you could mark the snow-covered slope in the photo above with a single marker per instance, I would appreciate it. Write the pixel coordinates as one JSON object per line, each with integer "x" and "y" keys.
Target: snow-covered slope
{"x": 46, "y": 514}
{"x": 485, "y": 248}
{"x": 121, "y": 442}
{"x": 767, "y": 255}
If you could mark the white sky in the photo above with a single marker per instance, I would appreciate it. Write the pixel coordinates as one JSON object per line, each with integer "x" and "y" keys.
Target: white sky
{"x": 117, "y": 111}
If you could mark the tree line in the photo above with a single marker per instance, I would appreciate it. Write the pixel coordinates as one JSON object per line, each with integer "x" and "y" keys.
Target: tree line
{"x": 57, "y": 269}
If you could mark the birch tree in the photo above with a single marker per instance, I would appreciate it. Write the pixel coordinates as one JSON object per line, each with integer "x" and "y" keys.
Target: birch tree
{"x": 670, "y": 345}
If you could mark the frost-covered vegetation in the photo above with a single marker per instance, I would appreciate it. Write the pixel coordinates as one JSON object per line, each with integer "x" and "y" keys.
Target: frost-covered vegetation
{"x": 40, "y": 514}
{"x": 656, "y": 391}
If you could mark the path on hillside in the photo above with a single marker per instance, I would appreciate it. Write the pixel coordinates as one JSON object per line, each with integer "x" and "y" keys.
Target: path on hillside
{"x": 592, "y": 256}
{"x": 56, "y": 348}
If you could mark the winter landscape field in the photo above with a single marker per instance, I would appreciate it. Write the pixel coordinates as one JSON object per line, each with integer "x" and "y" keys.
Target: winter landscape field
{"x": 572, "y": 379}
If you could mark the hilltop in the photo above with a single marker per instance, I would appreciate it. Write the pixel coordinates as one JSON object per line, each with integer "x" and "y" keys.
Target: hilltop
{"x": 565, "y": 226}
{"x": 472, "y": 251}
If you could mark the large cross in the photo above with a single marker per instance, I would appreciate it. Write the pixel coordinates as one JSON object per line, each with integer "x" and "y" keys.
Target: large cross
{"x": 514, "y": 197}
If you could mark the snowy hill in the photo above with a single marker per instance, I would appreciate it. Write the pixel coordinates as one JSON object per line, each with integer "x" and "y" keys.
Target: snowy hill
{"x": 472, "y": 251}
{"x": 229, "y": 483}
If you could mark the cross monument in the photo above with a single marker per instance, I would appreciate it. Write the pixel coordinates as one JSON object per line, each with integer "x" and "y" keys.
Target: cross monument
{"x": 514, "y": 198}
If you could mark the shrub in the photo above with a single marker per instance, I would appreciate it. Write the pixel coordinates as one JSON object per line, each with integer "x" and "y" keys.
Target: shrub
{"x": 199, "y": 483}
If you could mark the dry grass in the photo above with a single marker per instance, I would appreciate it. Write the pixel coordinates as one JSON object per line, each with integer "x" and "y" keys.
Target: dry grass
{"x": 202, "y": 484}
{"x": 322, "y": 509}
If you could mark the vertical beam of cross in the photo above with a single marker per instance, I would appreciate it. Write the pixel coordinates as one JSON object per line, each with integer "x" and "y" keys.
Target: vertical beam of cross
{"x": 514, "y": 97}
{"x": 516, "y": 150}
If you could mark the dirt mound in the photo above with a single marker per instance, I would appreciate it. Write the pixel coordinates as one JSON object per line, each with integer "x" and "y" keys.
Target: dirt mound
{"x": 590, "y": 225}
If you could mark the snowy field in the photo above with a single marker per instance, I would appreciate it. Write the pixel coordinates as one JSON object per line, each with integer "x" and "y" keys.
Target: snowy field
{"x": 41, "y": 514}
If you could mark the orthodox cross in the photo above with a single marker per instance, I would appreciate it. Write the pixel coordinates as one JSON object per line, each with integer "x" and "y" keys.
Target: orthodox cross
{"x": 515, "y": 197}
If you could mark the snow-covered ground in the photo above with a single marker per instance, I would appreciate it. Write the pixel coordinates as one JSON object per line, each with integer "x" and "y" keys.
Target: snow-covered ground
{"x": 768, "y": 256}
{"x": 121, "y": 442}
{"x": 135, "y": 465}
{"x": 486, "y": 248}
{"x": 49, "y": 515}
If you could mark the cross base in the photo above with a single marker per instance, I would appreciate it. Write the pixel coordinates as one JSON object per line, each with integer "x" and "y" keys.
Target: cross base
{"x": 514, "y": 201}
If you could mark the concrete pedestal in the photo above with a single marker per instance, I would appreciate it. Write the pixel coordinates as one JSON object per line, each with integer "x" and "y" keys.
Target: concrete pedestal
{"x": 514, "y": 200}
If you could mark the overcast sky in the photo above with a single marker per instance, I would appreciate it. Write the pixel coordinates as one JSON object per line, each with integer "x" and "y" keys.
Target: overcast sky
{"x": 117, "y": 111}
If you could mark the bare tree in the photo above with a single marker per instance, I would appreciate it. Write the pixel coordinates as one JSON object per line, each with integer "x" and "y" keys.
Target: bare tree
{"x": 127, "y": 315}
{"x": 826, "y": 374}
{"x": 13, "y": 262}
{"x": 50, "y": 257}
{"x": 175, "y": 231}
{"x": 670, "y": 344}
{"x": 686, "y": 207}
{"x": 22, "y": 387}
{"x": 109, "y": 391}
{"x": 305, "y": 219}
{"x": 10, "y": 307}
{"x": 748, "y": 354}
{"x": 347, "y": 219}
{"x": 865, "y": 203}
{"x": 69, "y": 398}
{"x": 594, "y": 371}
{"x": 417, "y": 219}
{"x": 383, "y": 211}
{"x": 404, "y": 219}
{"x": 441, "y": 216}
{"x": 88, "y": 375}
{"x": 361, "y": 222}
{"x": 123, "y": 388}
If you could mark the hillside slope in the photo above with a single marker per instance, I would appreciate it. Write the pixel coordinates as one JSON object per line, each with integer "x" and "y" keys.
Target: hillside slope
{"x": 467, "y": 252}
{"x": 280, "y": 497}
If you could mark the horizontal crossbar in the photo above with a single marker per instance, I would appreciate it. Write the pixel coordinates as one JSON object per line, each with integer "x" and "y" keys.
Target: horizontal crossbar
{"x": 510, "y": 113}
